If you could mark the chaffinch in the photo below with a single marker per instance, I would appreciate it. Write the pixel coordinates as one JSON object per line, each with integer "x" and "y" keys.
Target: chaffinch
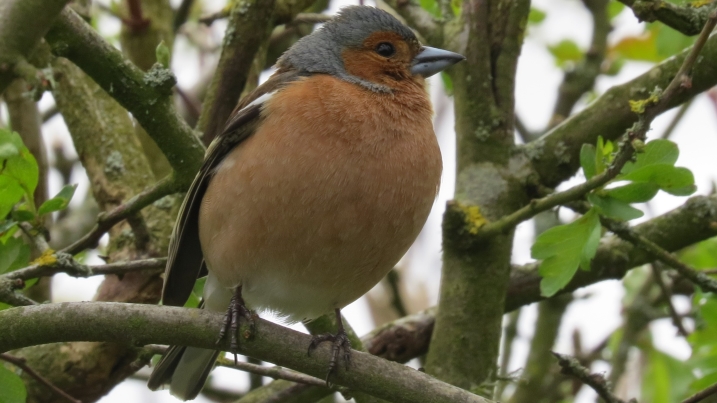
{"x": 320, "y": 182}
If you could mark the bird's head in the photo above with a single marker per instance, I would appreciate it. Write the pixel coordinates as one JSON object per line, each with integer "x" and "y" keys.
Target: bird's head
{"x": 368, "y": 47}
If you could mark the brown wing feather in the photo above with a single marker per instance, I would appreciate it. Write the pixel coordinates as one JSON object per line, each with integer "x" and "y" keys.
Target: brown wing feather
{"x": 185, "y": 259}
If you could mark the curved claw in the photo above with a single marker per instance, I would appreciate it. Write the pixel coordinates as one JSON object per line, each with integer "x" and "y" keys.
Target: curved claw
{"x": 230, "y": 322}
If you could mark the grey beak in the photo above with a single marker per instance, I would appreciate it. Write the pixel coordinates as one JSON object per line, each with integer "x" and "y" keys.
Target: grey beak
{"x": 431, "y": 61}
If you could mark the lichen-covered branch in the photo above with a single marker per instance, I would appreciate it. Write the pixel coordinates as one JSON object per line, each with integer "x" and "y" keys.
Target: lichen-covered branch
{"x": 693, "y": 222}
{"x": 22, "y": 24}
{"x": 139, "y": 325}
{"x": 687, "y": 19}
{"x": 469, "y": 321}
{"x": 147, "y": 96}
{"x": 249, "y": 25}
{"x": 555, "y": 156}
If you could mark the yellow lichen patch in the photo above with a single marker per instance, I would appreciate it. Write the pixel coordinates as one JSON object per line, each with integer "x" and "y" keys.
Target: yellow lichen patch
{"x": 474, "y": 218}
{"x": 639, "y": 106}
{"x": 700, "y": 3}
{"x": 47, "y": 258}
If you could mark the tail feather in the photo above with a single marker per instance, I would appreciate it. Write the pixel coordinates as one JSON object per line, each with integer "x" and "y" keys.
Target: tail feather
{"x": 185, "y": 369}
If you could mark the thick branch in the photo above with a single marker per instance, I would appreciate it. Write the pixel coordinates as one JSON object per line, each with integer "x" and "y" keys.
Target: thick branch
{"x": 693, "y": 222}
{"x": 147, "y": 96}
{"x": 555, "y": 156}
{"x": 249, "y": 26}
{"x": 22, "y": 24}
{"x": 687, "y": 19}
{"x": 146, "y": 324}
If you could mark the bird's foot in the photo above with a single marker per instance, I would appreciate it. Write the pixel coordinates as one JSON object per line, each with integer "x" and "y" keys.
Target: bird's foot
{"x": 340, "y": 348}
{"x": 230, "y": 324}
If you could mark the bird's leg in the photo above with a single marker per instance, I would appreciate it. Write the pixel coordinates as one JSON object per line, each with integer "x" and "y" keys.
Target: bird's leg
{"x": 339, "y": 342}
{"x": 230, "y": 323}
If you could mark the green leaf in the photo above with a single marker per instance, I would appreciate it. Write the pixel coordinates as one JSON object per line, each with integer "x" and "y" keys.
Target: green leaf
{"x": 674, "y": 180}
{"x": 536, "y": 16}
{"x": 587, "y": 160}
{"x": 702, "y": 255}
{"x": 563, "y": 249}
{"x": 639, "y": 192}
{"x": 196, "y": 295}
{"x": 21, "y": 215}
{"x": 6, "y": 225}
{"x": 599, "y": 154}
{"x": 20, "y": 166}
{"x": 656, "y": 152}
{"x": 10, "y": 194}
{"x": 11, "y": 386}
{"x": 8, "y": 150}
{"x": 59, "y": 202}
{"x": 14, "y": 254}
{"x": 162, "y": 54}
{"x": 614, "y": 208}
{"x": 565, "y": 51}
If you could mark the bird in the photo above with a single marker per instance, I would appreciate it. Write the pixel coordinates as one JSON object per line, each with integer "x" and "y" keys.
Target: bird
{"x": 319, "y": 183}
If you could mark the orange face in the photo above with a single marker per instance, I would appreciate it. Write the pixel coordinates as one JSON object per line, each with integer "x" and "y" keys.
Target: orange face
{"x": 384, "y": 58}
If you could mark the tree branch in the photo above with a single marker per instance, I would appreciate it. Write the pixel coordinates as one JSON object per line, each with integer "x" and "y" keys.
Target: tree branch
{"x": 699, "y": 396}
{"x": 20, "y": 363}
{"x": 667, "y": 294}
{"x": 555, "y": 156}
{"x": 687, "y": 19}
{"x": 275, "y": 372}
{"x": 508, "y": 222}
{"x": 141, "y": 324}
{"x": 249, "y": 25}
{"x": 105, "y": 221}
{"x": 693, "y": 222}
{"x": 147, "y": 96}
{"x": 571, "y": 366}
{"x": 22, "y": 24}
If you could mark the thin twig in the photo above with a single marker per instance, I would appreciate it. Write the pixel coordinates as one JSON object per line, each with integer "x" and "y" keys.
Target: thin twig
{"x": 676, "y": 320}
{"x": 65, "y": 264}
{"x": 394, "y": 279}
{"x": 20, "y": 363}
{"x": 571, "y": 366}
{"x": 106, "y": 221}
{"x": 536, "y": 206}
{"x": 37, "y": 237}
{"x": 699, "y": 396}
{"x": 219, "y": 15}
{"x": 181, "y": 14}
{"x": 637, "y": 132}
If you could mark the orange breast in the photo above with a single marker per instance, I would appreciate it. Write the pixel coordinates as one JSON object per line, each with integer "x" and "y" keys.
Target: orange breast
{"x": 313, "y": 210}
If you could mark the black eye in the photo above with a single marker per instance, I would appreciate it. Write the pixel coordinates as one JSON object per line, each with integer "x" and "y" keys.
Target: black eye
{"x": 385, "y": 49}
